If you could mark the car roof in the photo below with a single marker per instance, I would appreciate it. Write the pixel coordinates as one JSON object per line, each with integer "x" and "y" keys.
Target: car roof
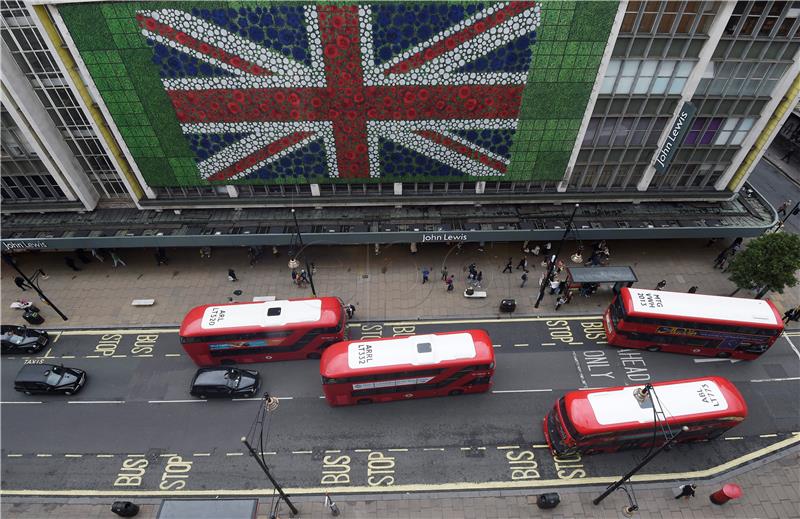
{"x": 211, "y": 376}
{"x": 33, "y": 372}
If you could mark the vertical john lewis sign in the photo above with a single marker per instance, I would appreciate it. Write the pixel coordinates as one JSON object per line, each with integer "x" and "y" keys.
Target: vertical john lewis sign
{"x": 676, "y": 134}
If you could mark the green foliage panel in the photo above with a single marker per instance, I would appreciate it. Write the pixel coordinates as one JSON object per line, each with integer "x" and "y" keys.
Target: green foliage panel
{"x": 135, "y": 64}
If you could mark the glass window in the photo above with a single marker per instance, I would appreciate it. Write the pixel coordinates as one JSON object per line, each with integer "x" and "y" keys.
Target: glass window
{"x": 659, "y": 85}
{"x": 604, "y": 139}
{"x": 684, "y": 69}
{"x": 608, "y": 85}
{"x": 624, "y": 85}
{"x": 676, "y": 87}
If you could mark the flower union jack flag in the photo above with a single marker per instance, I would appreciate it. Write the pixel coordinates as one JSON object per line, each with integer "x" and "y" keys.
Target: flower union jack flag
{"x": 346, "y": 91}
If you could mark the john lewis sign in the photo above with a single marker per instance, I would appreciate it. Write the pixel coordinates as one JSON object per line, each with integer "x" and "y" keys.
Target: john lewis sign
{"x": 679, "y": 128}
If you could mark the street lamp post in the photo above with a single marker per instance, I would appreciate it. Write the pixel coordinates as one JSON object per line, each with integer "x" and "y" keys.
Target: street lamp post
{"x": 551, "y": 262}
{"x": 305, "y": 260}
{"x": 269, "y": 475}
{"x": 13, "y": 263}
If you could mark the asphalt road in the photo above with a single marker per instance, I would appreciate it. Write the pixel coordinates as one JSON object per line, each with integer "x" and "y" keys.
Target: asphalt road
{"x": 776, "y": 187}
{"x": 134, "y": 428}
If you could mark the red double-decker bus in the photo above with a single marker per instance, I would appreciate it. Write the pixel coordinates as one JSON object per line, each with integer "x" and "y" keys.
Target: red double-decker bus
{"x": 695, "y": 324}
{"x": 262, "y": 331}
{"x": 402, "y": 368}
{"x": 612, "y": 419}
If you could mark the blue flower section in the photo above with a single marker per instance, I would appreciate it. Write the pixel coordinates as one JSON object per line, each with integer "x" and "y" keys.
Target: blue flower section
{"x": 307, "y": 162}
{"x": 514, "y": 57}
{"x": 400, "y": 162}
{"x": 206, "y": 145}
{"x": 173, "y": 63}
{"x": 281, "y": 28}
{"x": 496, "y": 141}
{"x": 400, "y": 26}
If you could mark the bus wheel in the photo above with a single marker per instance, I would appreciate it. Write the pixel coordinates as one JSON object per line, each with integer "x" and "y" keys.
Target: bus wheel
{"x": 456, "y": 392}
{"x": 314, "y": 355}
{"x": 724, "y": 354}
{"x": 364, "y": 401}
{"x": 654, "y": 348}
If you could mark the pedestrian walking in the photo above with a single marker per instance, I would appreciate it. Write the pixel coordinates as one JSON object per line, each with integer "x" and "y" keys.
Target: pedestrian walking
{"x": 554, "y": 285}
{"x": 560, "y": 300}
{"x": 685, "y": 491}
{"x": 479, "y": 276}
{"x": 449, "y": 282}
{"x": 792, "y": 314}
{"x": 116, "y": 259}
{"x": 425, "y": 274}
{"x": 350, "y": 310}
{"x": 413, "y": 247}
{"x": 205, "y": 252}
{"x": 562, "y": 287}
{"x": 303, "y": 276}
{"x": 71, "y": 264}
{"x": 509, "y": 266}
{"x": 693, "y": 290}
{"x": 275, "y": 253}
{"x": 536, "y": 249}
{"x": 232, "y": 276}
{"x": 783, "y": 207}
{"x": 161, "y": 257}
{"x": 720, "y": 260}
{"x": 524, "y": 279}
{"x": 661, "y": 284}
{"x": 251, "y": 254}
{"x": 444, "y": 273}
{"x": 523, "y": 264}
{"x": 294, "y": 277}
{"x": 21, "y": 283}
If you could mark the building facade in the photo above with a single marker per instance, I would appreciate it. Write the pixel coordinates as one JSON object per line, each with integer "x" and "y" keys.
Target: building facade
{"x": 260, "y": 104}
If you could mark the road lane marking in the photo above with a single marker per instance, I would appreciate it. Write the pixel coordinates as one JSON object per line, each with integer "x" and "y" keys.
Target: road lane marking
{"x": 548, "y": 344}
{"x": 135, "y": 455}
{"x": 433, "y": 449}
{"x": 234, "y": 454}
{"x": 473, "y": 448}
{"x": 94, "y": 356}
{"x": 523, "y": 391}
{"x": 96, "y": 402}
{"x": 284, "y": 398}
{"x": 362, "y": 450}
{"x": 172, "y": 354}
{"x": 73, "y": 455}
{"x": 333, "y": 451}
{"x": 44, "y": 455}
{"x": 167, "y": 455}
{"x": 791, "y": 345}
{"x": 767, "y": 435}
{"x": 23, "y": 402}
{"x": 397, "y": 450}
{"x": 301, "y": 452}
{"x": 540, "y": 446}
{"x": 175, "y": 401}
{"x": 249, "y": 399}
{"x": 580, "y": 370}
{"x": 199, "y": 454}
{"x": 14, "y": 455}
{"x": 521, "y": 345}
{"x": 506, "y": 447}
{"x": 118, "y": 355}
{"x": 511, "y": 320}
{"x": 148, "y": 355}
{"x": 68, "y": 356}
{"x": 775, "y": 379}
{"x": 497, "y": 345}
{"x": 268, "y": 453}
{"x": 734, "y": 438}
{"x": 422, "y": 487}
{"x": 105, "y": 455}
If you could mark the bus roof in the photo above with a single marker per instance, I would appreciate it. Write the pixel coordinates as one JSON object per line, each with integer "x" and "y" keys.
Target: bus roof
{"x": 616, "y": 408}
{"x": 211, "y": 319}
{"x": 414, "y": 351}
{"x": 733, "y": 310}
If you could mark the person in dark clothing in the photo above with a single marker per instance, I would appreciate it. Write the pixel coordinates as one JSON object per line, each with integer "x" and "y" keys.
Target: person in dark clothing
{"x": 509, "y": 266}
{"x": 449, "y": 284}
{"x": 693, "y": 290}
{"x": 686, "y": 491}
{"x": 232, "y": 275}
{"x": 661, "y": 284}
{"x": 71, "y": 264}
{"x": 350, "y": 310}
{"x": 20, "y": 282}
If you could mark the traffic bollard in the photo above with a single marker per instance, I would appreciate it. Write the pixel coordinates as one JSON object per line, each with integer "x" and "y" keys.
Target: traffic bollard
{"x": 726, "y": 493}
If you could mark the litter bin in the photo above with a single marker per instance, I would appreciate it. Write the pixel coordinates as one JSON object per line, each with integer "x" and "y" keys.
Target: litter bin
{"x": 33, "y": 317}
{"x": 549, "y": 500}
{"x": 508, "y": 305}
{"x": 124, "y": 508}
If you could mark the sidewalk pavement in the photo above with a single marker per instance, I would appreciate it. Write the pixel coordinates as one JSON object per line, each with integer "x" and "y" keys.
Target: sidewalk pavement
{"x": 387, "y": 286}
{"x": 771, "y": 489}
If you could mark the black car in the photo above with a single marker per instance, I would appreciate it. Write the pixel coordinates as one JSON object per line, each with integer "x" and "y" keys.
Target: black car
{"x": 225, "y": 382}
{"x": 49, "y": 378}
{"x": 21, "y": 339}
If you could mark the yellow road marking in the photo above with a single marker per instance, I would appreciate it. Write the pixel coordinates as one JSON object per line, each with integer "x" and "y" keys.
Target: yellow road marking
{"x": 431, "y": 487}
{"x": 477, "y": 321}
{"x": 123, "y": 332}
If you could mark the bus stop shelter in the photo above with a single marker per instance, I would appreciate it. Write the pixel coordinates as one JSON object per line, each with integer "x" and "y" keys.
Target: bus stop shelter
{"x": 619, "y": 276}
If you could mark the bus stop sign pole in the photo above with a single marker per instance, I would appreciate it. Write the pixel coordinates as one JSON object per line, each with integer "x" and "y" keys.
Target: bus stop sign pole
{"x": 638, "y": 467}
{"x": 266, "y": 471}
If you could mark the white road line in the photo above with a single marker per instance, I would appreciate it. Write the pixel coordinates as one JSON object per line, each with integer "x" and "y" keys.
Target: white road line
{"x": 150, "y": 355}
{"x": 506, "y": 447}
{"x": 268, "y": 453}
{"x": 521, "y": 345}
{"x": 323, "y": 396}
{"x": 68, "y": 356}
{"x": 14, "y": 455}
{"x": 119, "y": 355}
{"x": 791, "y": 344}
{"x": 775, "y": 379}
{"x": 73, "y": 455}
{"x": 734, "y": 438}
{"x": 473, "y": 448}
{"x": 578, "y": 367}
{"x": 540, "y": 446}
{"x": 251, "y": 399}
{"x": 167, "y": 455}
{"x": 44, "y": 455}
{"x": 34, "y": 402}
{"x": 301, "y": 452}
{"x": 497, "y": 345}
{"x": 172, "y": 354}
{"x": 96, "y": 402}
{"x": 105, "y": 455}
{"x": 548, "y": 344}
{"x": 574, "y": 343}
{"x": 433, "y": 449}
{"x": 234, "y": 454}
{"x": 397, "y": 450}
{"x": 332, "y": 451}
{"x": 285, "y": 398}
{"x": 767, "y": 435}
{"x": 362, "y": 450}
{"x": 94, "y": 356}
{"x": 199, "y": 454}
{"x": 135, "y": 455}
{"x": 176, "y": 401}
{"x": 523, "y": 391}
{"x": 601, "y": 342}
